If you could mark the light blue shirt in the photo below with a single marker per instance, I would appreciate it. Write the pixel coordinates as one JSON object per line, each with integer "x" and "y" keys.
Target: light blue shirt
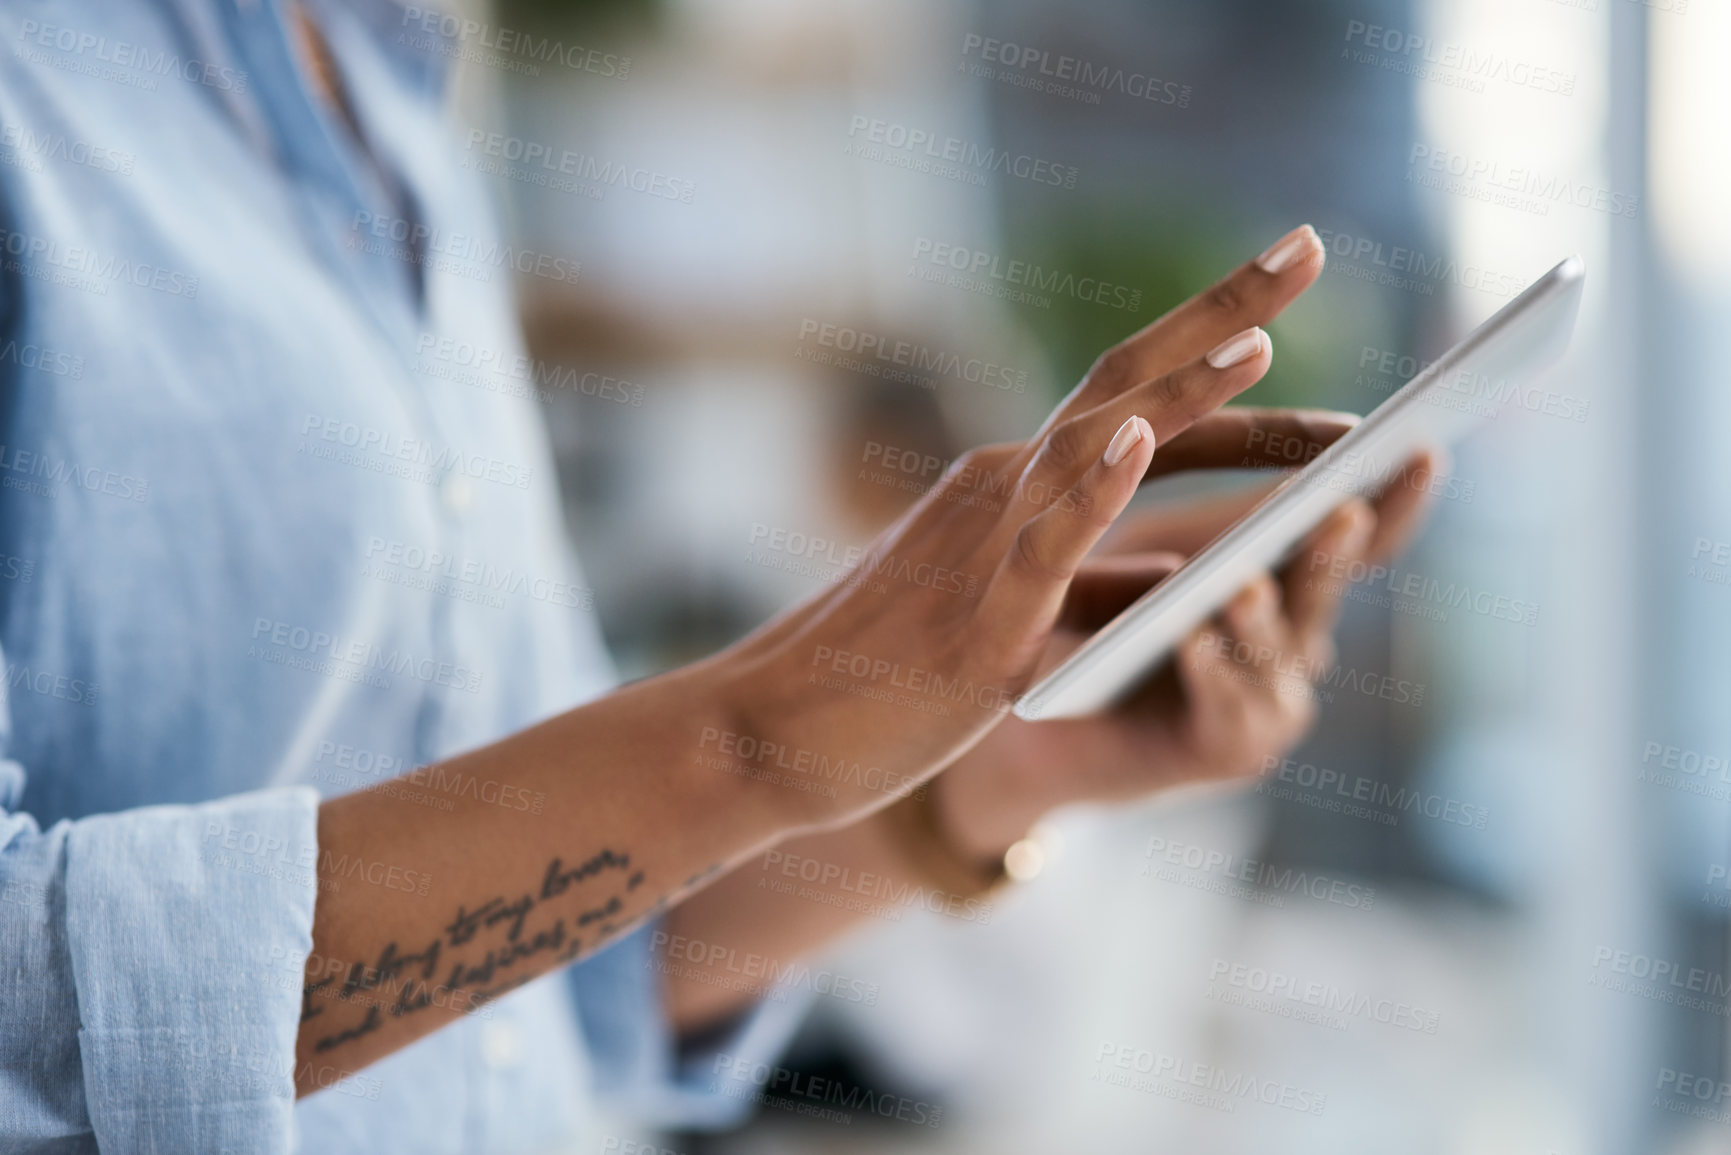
{"x": 258, "y": 544}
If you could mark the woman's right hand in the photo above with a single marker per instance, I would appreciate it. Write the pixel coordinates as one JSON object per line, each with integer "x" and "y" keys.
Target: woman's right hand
{"x": 926, "y": 645}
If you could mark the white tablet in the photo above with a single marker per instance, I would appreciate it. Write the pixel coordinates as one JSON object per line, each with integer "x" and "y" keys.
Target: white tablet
{"x": 1461, "y": 391}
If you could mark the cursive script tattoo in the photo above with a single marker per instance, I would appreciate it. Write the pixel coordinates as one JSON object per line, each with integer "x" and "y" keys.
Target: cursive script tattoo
{"x": 367, "y": 1026}
{"x": 482, "y": 948}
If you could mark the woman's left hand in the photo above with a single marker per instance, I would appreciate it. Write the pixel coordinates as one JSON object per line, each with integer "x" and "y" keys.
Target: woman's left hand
{"x": 1206, "y": 715}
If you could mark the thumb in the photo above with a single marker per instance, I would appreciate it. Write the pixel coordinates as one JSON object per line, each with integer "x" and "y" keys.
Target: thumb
{"x": 1105, "y": 587}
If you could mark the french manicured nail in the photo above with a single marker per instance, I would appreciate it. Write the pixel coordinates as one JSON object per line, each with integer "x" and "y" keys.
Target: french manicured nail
{"x": 1129, "y": 435}
{"x": 1288, "y": 249}
{"x": 1237, "y": 348}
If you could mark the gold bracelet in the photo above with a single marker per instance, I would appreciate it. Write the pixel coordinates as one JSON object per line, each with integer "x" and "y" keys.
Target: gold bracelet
{"x": 917, "y": 829}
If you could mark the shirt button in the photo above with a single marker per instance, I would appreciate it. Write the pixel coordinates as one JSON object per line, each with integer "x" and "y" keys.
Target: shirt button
{"x": 457, "y": 494}
{"x": 501, "y": 1045}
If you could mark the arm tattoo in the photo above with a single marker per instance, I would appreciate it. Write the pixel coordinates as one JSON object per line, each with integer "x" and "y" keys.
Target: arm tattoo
{"x": 481, "y": 947}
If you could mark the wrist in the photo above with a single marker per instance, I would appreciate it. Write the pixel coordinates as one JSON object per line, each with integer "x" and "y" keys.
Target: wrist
{"x": 746, "y": 746}
{"x": 922, "y": 831}
{"x": 917, "y": 834}
{"x": 987, "y": 801}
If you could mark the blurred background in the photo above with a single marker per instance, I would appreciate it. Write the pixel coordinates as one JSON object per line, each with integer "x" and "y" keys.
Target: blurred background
{"x": 1543, "y": 967}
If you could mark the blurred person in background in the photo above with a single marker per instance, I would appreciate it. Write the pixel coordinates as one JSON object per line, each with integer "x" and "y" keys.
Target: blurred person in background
{"x": 194, "y": 938}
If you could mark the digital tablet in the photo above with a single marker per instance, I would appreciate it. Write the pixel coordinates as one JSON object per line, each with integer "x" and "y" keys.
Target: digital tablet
{"x": 1463, "y": 389}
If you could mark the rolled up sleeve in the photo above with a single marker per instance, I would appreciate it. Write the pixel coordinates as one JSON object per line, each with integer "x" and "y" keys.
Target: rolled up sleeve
{"x": 155, "y": 959}
{"x": 639, "y": 1062}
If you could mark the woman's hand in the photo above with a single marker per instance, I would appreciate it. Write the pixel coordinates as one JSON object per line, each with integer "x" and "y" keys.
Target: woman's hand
{"x": 1205, "y": 716}
{"x": 920, "y": 653}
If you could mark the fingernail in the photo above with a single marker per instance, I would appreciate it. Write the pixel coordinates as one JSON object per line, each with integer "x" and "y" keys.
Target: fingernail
{"x": 1356, "y": 535}
{"x": 1129, "y": 435}
{"x": 1235, "y": 349}
{"x": 1257, "y": 598}
{"x": 1288, "y": 249}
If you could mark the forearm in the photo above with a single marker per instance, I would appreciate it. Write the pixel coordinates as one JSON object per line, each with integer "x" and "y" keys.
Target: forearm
{"x": 627, "y": 828}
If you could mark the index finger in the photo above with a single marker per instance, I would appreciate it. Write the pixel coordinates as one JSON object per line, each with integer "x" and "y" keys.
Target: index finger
{"x": 1252, "y": 294}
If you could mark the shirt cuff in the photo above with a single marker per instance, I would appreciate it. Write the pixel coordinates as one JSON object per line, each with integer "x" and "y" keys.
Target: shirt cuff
{"x": 188, "y": 929}
{"x": 639, "y": 1063}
